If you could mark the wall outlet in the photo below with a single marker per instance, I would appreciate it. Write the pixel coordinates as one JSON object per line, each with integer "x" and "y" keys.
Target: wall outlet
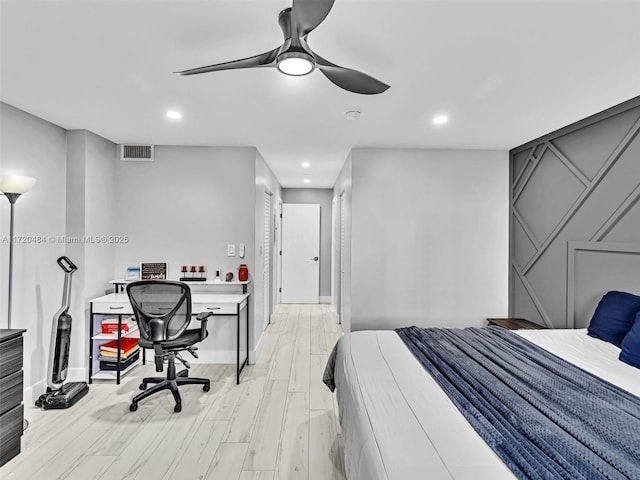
{"x": 231, "y": 250}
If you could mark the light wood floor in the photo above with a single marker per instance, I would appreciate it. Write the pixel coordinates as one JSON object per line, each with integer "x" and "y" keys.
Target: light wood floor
{"x": 280, "y": 423}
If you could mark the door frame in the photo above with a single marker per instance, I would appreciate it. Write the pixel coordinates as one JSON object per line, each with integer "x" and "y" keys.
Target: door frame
{"x": 279, "y": 251}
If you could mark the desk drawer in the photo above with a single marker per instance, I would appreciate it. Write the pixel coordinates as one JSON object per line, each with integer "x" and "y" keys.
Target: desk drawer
{"x": 113, "y": 308}
{"x": 10, "y": 391}
{"x": 217, "y": 308}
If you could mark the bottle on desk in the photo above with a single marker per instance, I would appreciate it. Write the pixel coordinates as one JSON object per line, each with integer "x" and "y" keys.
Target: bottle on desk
{"x": 243, "y": 273}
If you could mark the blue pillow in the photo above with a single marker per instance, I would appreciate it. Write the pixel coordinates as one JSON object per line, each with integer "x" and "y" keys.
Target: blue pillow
{"x": 631, "y": 345}
{"x": 614, "y": 316}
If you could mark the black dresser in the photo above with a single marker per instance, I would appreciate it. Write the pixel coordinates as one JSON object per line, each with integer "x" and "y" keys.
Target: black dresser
{"x": 11, "y": 408}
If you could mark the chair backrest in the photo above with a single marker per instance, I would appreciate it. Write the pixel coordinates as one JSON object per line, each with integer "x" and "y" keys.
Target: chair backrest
{"x": 162, "y": 308}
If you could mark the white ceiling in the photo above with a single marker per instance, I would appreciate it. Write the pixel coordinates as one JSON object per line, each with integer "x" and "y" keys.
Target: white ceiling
{"x": 504, "y": 71}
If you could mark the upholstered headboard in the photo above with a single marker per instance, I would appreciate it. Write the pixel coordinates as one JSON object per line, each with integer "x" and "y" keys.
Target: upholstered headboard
{"x": 594, "y": 268}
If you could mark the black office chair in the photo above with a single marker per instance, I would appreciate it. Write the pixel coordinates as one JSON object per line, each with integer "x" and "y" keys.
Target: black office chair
{"x": 163, "y": 312}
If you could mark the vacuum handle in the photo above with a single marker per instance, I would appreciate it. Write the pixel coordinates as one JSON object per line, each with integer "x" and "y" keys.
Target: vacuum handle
{"x": 66, "y": 264}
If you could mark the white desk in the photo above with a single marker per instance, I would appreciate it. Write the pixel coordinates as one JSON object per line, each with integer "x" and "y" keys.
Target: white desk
{"x": 120, "y": 284}
{"x": 118, "y": 304}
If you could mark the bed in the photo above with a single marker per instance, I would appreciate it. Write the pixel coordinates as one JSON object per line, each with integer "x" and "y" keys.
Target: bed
{"x": 399, "y": 424}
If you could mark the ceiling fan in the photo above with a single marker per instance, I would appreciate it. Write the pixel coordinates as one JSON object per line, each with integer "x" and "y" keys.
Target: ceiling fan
{"x": 295, "y": 57}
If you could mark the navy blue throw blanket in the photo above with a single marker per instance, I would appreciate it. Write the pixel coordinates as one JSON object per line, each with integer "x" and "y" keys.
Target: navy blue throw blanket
{"x": 544, "y": 417}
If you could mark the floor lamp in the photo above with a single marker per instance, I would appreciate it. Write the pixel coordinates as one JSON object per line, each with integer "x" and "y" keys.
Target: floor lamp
{"x": 12, "y": 186}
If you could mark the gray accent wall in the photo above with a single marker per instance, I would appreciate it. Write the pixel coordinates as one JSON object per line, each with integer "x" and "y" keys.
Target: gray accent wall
{"x": 323, "y": 198}
{"x": 575, "y": 218}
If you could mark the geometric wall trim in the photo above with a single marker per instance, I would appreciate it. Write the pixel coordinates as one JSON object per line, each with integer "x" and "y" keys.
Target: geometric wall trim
{"x": 617, "y": 266}
{"x": 618, "y": 214}
{"x": 572, "y": 185}
{"x": 603, "y": 141}
{"x": 532, "y": 296}
{"x": 552, "y": 187}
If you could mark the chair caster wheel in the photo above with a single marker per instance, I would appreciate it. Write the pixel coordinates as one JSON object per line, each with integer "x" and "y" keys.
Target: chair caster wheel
{"x": 143, "y": 386}
{"x": 206, "y": 388}
{"x": 177, "y": 408}
{"x": 133, "y": 407}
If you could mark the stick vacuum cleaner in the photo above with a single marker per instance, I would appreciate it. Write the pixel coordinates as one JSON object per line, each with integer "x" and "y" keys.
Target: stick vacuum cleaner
{"x": 59, "y": 394}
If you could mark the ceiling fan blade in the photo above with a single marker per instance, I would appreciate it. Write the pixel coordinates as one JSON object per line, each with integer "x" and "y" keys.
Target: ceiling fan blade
{"x": 266, "y": 59}
{"x": 352, "y": 80}
{"x": 308, "y": 14}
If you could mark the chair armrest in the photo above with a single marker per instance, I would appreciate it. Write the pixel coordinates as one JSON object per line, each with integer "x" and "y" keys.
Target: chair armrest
{"x": 202, "y": 318}
{"x": 204, "y": 315}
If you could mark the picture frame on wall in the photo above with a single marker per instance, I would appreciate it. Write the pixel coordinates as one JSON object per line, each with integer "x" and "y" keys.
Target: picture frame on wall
{"x": 153, "y": 270}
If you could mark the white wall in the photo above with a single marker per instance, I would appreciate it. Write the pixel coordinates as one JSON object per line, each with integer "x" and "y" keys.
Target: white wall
{"x": 33, "y": 147}
{"x": 91, "y": 164}
{"x": 184, "y": 208}
{"x": 429, "y": 242}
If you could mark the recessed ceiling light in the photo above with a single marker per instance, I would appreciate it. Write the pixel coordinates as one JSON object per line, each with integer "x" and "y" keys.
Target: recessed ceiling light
{"x": 306, "y": 180}
{"x": 353, "y": 114}
{"x": 174, "y": 115}
{"x": 305, "y": 164}
{"x": 440, "y": 119}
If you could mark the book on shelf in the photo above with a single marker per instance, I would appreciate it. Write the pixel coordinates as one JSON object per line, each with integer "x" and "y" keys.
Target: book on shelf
{"x": 113, "y": 356}
{"x": 114, "y": 365}
{"x": 126, "y": 343}
{"x": 110, "y": 324}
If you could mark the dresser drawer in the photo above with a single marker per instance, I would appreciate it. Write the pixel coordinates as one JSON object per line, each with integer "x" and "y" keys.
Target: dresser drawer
{"x": 10, "y": 356}
{"x": 10, "y": 391}
{"x": 10, "y": 433}
{"x": 11, "y": 423}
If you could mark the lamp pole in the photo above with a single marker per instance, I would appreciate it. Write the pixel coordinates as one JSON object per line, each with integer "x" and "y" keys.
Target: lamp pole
{"x": 12, "y": 186}
{"x": 12, "y": 197}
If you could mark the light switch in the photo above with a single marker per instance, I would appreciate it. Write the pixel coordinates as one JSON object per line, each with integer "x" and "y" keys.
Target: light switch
{"x": 231, "y": 250}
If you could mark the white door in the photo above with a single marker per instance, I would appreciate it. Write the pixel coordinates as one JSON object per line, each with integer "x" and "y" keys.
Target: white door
{"x": 300, "y": 253}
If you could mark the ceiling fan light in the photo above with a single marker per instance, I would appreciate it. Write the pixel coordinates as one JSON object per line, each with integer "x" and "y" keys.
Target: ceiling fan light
{"x": 295, "y": 63}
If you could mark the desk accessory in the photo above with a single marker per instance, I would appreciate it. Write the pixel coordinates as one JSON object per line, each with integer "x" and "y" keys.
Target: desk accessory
{"x": 243, "y": 273}
{"x": 133, "y": 273}
{"x": 193, "y": 278}
{"x": 153, "y": 271}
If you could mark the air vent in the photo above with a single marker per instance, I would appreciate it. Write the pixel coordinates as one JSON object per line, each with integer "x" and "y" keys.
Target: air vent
{"x": 136, "y": 153}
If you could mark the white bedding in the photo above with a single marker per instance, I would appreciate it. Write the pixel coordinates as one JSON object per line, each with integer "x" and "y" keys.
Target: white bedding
{"x": 399, "y": 425}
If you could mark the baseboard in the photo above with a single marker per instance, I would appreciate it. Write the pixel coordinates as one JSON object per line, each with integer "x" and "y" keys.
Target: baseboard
{"x": 32, "y": 393}
{"x": 325, "y": 299}
{"x": 255, "y": 354}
